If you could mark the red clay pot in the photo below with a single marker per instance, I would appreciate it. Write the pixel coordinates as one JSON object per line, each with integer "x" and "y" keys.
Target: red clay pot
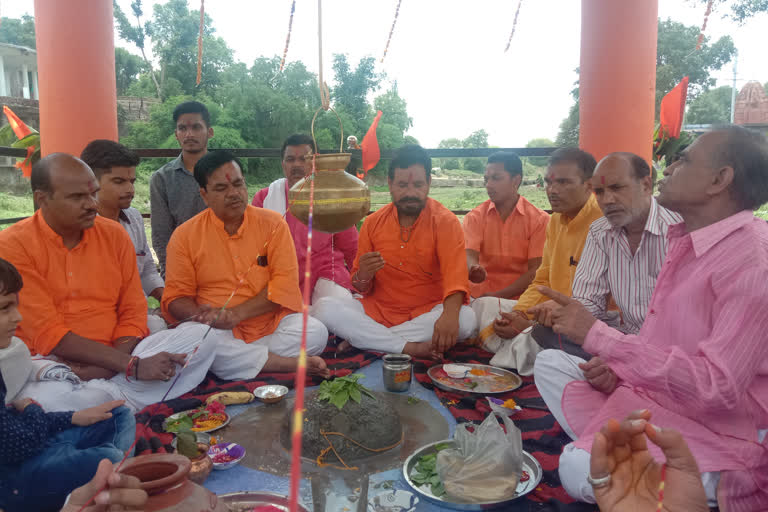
{"x": 165, "y": 478}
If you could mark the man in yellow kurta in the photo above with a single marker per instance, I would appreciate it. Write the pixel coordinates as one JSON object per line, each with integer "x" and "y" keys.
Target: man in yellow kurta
{"x": 232, "y": 246}
{"x": 574, "y": 209}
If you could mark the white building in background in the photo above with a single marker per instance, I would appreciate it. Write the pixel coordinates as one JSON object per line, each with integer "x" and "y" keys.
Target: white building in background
{"x": 18, "y": 72}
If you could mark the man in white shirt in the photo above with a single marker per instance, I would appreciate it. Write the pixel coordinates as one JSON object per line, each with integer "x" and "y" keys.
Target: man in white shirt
{"x": 115, "y": 168}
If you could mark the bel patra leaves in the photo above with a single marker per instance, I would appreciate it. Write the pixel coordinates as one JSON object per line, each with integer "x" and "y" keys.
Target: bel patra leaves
{"x": 341, "y": 389}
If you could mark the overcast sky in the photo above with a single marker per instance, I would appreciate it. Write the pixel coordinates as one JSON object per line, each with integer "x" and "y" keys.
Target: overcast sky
{"x": 447, "y": 56}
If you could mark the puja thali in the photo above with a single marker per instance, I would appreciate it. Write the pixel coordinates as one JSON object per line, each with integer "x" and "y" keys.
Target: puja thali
{"x": 481, "y": 378}
{"x": 170, "y": 419}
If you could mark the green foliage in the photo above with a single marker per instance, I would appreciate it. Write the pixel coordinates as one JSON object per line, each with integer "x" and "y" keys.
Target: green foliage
{"x": 539, "y": 161}
{"x": 127, "y": 69}
{"x": 711, "y": 107}
{"x": 677, "y": 57}
{"x": 187, "y": 443}
{"x": 741, "y": 10}
{"x": 339, "y": 390}
{"x": 476, "y": 165}
{"x": 20, "y": 32}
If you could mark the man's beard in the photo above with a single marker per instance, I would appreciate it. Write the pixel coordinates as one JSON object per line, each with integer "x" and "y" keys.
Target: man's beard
{"x": 410, "y": 209}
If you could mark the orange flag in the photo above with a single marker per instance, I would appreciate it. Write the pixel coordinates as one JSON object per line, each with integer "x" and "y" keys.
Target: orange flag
{"x": 17, "y": 125}
{"x": 370, "y": 145}
{"x": 673, "y": 109}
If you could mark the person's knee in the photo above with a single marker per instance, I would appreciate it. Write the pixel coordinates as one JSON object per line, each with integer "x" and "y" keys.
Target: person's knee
{"x": 467, "y": 323}
{"x": 325, "y": 305}
{"x": 483, "y": 302}
{"x": 546, "y": 361}
{"x": 573, "y": 469}
{"x": 317, "y": 336}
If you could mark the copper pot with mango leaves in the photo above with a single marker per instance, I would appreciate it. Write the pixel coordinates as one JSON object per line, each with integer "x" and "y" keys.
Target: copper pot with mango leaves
{"x": 340, "y": 200}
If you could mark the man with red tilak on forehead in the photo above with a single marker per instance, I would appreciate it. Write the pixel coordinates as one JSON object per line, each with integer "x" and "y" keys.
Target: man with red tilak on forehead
{"x": 411, "y": 270}
{"x": 332, "y": 253}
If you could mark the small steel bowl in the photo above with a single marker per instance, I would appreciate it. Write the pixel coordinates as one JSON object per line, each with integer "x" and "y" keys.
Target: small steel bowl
{"x": 270, "y": 394}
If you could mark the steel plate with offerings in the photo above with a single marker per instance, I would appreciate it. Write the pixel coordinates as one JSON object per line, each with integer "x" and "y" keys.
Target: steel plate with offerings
{"x": 481, "y": 378}
{"x": 256, "y": 501}
{"x": 204, "y": 419}
{"x": 419, "y": 471}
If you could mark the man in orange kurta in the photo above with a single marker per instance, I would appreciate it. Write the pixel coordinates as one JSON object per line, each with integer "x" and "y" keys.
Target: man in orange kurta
{"x": 82, "y": 300}
{"x": 232, "y": 246}
{"x": 411, "y": 270}
{"x": 504, "y": 235}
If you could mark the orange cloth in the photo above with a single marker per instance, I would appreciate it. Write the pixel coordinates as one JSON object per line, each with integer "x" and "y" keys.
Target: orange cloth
{"x": 504, "y": 246}
{"x": 206, "y": 264}
{"x": 420, "y": 273}
{"x": 92, "y": 290}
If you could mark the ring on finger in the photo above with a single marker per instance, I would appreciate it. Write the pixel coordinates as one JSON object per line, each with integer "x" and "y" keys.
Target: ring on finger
{"x": 597, "y": 483}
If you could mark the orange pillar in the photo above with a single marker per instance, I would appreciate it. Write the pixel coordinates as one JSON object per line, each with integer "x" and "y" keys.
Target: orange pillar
{"x": 617, "y": 81}
{"x": 76, "y": 73}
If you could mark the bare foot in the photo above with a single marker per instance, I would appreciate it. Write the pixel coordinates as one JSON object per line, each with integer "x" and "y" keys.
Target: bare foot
{"x": 343, "y": 346}
{"x": 316, "y": 366}
{"x": 421, "y": 350}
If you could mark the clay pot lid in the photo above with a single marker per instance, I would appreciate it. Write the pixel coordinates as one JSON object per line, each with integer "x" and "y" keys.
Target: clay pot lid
{"x": 157, "y": 470}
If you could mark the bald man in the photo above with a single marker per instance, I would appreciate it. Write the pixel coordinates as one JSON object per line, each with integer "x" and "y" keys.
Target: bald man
{"x": 82, "y": 301}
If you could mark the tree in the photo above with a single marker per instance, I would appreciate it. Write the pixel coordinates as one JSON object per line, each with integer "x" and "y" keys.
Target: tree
{"x": 174, "y": 30}
{"x": 711, "y": 107}
{"x": 741, "y": 10}
{"x": 450, "y": 163}
{"x": 539, "y": 161}
{"x": 477, "y": 139}
{"x": 127, "y": 69}
{"x": 20, "y": 32}
{"x": 676, "y": 57}
{"x": 136, "y": 35}
{"x": 351, "y": 89}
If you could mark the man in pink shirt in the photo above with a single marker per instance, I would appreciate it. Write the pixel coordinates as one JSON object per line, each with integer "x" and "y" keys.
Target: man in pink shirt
{"x": 332, "y": 254}
{"x": 699, "y": 363}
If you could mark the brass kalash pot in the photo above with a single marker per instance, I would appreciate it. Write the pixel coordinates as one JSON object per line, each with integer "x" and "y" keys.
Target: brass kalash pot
{"x": 340, "y": 199}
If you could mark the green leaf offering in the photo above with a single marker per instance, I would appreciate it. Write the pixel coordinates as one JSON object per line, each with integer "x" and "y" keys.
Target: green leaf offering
{"x": 339, "y": 390}
{"x": 425, "y": 471}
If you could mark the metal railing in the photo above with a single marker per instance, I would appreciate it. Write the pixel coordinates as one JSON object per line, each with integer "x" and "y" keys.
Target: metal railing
{"x": 275, "y": 153}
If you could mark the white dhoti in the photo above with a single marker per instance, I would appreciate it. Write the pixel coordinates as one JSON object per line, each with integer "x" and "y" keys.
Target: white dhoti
{"x": 238, "y": 360}
{"x": 156, "y": 323}
{"x": 327, "y": 288}
{"x": 553, "y": 371}
{"x": 519, "y": 352}
{"x": 65, "y": 396}
{"x": 346, "y": 318}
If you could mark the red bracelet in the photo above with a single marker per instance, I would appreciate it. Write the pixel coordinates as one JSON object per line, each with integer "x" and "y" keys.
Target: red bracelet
{"x": 131, "y": 361}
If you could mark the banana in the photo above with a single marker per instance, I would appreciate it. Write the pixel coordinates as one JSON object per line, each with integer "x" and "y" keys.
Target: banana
{"x": 231, "y": 397}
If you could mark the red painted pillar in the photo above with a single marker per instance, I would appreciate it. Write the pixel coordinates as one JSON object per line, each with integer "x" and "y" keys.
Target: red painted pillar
{"x": 76, "y": 72}
{"x": 617, "y": 83}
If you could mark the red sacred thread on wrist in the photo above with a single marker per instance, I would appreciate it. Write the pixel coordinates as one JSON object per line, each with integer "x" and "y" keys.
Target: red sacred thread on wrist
{"x": 131, "y": 361}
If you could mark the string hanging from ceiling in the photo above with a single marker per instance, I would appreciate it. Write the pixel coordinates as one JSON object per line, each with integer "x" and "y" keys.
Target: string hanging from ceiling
{"x": 514, "y": 26}
{"x": 391, "y": 30}
{"x": 288, "y": 37}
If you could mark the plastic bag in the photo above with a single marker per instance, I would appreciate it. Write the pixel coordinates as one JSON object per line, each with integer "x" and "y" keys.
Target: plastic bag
{"x": 485, "y": 465}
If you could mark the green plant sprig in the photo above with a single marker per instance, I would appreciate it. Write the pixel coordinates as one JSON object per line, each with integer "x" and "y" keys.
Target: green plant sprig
{"x": 339, "y": 390}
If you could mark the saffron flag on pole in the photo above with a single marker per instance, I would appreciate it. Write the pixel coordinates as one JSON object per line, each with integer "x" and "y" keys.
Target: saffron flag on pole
{"x": 17, "y": 125}
{"x": 673, "y": 109}
{"x": 370, "y": 145}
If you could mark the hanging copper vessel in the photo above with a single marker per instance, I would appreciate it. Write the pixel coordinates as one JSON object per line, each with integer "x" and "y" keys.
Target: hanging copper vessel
{"x": 340, "y": 199}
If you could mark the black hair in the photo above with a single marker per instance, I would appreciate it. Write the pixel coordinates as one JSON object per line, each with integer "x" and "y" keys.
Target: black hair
{"x": 746, "y": 151}
{"x": 102, "y": 155}
{"x": 192, "y": 107}
{"x": 583, "y": 160}
{"x": 10, "y": 279}
{"x": 511, "y": 161}
{"x": 298, "y": 139}
{"x": 408, "y": 155}
{"x": 212, "y": 161}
